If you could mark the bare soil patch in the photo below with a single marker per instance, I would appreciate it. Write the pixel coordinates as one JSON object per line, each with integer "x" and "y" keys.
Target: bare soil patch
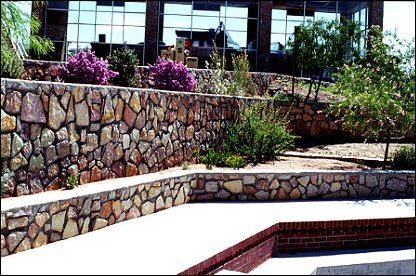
{"x": 370, "y": 150}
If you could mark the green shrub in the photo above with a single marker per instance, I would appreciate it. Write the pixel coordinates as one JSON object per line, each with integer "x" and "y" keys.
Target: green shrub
{"x": 124, "y": 61}
{"x": 6, "y": 175}
{"x": 11, "y": 65}
{"x": 235, "y": 161}
{"x": 71, "y": 182}
{"x": 241, "y": 82}
{"x": 259, "y": 136}
{"x": 404, "y": 158}
{"x": 208, "y": 156}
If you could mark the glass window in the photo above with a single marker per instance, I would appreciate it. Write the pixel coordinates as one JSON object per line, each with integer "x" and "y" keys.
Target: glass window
{"x": 278, "y": 14}
{"x": 133, "y": 35}
{"x": 184, "y": 9}
{"x": 105, "y": 30}
{"x": 363, "y": 16}
{"x": 236, "y": 12}
{"x": 329, "y": 16}
{"x": 291, "y": 26}
{"x": 118, "y": 18}
{"x": 73, "y": 16}
{"x": 135, "y": 6}
{"x": 86, "y": 33}
{"x": 117, "y": 34}
{"x": 205, "y": 22}
{"x": 72, "y": 32}
{"x": 177, "y": 21}
{"x": 74, "y": 5}
{"x": 234, "y": 24}
{"x": 87, "y": 5}
{"x": 87, "y": 17}
{"x": 72, "y": 47}
{"x": 135, "y": 19}
{"x": 104, "y": 7}
{"x": 275, "y": 39}
{"x": 278, "y": 26}
{"x": 206, "y": 13}
{"x": 238, "y": 37}
{"x": 104, "y": 17}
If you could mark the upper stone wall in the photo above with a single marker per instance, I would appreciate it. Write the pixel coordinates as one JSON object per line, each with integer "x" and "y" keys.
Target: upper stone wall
{"x": 49, "y": 130}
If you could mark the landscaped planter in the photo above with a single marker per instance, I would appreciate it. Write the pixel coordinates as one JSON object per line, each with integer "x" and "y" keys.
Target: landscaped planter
{"x": 50, "y": 130}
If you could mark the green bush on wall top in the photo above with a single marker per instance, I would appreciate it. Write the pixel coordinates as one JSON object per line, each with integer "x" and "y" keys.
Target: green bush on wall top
{"x": 124, "y": 61}
{"x": 404, "y": 158}
{"x": 11, "y": 65}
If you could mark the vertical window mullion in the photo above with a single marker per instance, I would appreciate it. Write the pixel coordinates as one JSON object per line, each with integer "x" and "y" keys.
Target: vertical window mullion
{"x": 79, "y": 15}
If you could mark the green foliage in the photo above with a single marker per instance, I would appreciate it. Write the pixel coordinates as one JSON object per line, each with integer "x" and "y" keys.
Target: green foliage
{"x": 185, "y": 165}
{"x": 284, "y": 97}
{"x": 215, "y": 82}
{"x": 404, "y": 158}
{"x": 241, "y": 81}
{"x": 208, "y": 156}
{"x": 71, "y": 181}
{"x": 11, "y": 65}
{"x": 259, "y": 136}
{"x": 379, "y": 96}
{"x": 323, "y": 44}
{"x": 235, "y": 161}
{"x": 124, "y": 61}
{"x": 6, "y": 175}
{"x": 14, "y": 26}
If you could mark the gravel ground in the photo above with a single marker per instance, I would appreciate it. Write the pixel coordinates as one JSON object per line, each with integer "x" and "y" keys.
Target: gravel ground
{"x": 373, "y": 150}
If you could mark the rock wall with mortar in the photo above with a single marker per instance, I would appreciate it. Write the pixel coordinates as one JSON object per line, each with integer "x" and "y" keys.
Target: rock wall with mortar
{"x": 50, "y": 130}
{"x": 66, "y": 214}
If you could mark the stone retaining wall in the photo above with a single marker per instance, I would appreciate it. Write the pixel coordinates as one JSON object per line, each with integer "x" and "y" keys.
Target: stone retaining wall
{"x": 36, "y": 220}
{"x": 49, "y": 130}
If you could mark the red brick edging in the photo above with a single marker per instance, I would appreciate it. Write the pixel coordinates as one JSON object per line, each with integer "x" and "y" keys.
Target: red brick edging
{"x": 291, "y": 237}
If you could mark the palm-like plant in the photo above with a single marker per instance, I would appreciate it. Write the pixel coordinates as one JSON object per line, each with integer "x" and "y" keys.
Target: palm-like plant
{"x": 14, "y": 25}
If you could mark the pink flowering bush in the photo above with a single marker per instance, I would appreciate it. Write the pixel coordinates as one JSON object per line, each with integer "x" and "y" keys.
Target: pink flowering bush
{"x": 169, "y": 75}
{"x": 85, "y": 67}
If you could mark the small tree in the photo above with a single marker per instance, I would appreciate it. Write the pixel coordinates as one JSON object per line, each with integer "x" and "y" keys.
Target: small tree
{"x": 321, "y": 45}
{"x": 379, "y": 96}
{"x": 14, "y": 25}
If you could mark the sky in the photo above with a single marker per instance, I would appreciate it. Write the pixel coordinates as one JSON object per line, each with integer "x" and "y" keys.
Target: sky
{"x": 400, "y": 15}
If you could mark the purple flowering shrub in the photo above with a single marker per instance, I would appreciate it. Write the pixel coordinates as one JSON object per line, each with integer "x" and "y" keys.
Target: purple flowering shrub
{"x": 169, "y": 75}
{"x": 85, "y": 67}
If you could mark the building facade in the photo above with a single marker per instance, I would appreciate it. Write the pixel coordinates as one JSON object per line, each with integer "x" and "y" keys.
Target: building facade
{"x": 261, "y": 28}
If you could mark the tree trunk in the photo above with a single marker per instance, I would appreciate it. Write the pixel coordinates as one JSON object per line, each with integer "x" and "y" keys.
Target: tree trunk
{"x": 386, "y": 152}
{"x": 293, "y": 85}
{"x": 317, "y": 89}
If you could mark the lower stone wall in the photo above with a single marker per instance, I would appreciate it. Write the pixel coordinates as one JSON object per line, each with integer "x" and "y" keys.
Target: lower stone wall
{"x": 36, "y": 220}
{"x": 304, "y": 185}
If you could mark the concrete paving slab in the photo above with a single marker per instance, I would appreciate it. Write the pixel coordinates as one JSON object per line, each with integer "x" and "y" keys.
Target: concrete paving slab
{"x": 170, "y": 241}
{"x": 384, "y": 261}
